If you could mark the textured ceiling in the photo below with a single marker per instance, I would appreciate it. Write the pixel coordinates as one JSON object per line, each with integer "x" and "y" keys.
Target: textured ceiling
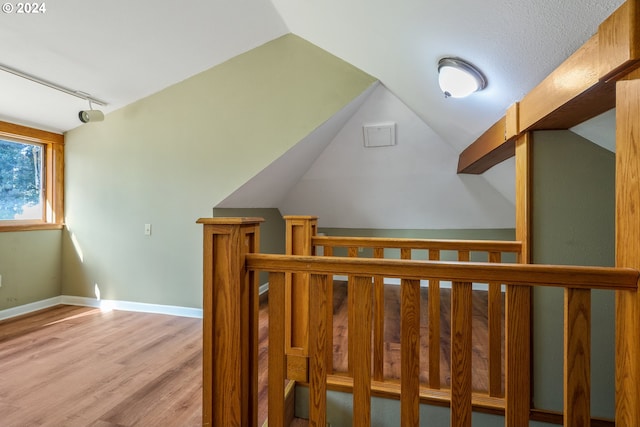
{"x": 121, "y": 51}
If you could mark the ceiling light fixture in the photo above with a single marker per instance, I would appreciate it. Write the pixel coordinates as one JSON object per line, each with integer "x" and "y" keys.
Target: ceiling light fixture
{"x": 458, "y": 78}
{"x": 90, "y": 115}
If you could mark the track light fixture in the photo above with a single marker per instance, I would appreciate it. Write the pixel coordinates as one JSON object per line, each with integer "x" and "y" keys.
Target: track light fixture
{"x": 458, "y": 78}
{"x": 90, "y": 115}
{"x": 85, "y": 116}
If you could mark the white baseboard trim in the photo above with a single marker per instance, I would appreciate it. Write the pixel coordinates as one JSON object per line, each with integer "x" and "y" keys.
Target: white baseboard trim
{"x": 105, "y": 305}
{"x": 263, "y": 288}
{"x": 140, "y": 307}
{"x": 8, "y": 313}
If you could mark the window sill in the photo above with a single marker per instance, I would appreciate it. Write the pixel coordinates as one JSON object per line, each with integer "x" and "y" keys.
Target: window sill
{"x": 7, "y": 226}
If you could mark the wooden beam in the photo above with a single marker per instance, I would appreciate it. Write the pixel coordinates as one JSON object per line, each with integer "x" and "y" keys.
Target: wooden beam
{"x": 619, "y": 37}
{"x": 488, "y": 150}
{"x": 573, "y": 77}
{"x": 581, "y": 88}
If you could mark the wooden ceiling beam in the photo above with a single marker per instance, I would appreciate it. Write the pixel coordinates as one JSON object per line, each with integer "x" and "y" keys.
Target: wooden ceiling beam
{"x": 581, "y": 88}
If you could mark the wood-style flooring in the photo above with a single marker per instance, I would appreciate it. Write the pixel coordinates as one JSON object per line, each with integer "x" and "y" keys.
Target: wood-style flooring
{"x": 77, "y": 366}
{"x": 480, "y": 335}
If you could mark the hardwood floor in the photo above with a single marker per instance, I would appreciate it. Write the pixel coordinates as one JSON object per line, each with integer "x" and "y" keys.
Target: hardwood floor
{"x": 77, "y": 366}
{"x": 480, "y": 362}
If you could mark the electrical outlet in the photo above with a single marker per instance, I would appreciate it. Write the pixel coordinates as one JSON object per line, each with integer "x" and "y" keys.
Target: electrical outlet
{"x": 147, "y": 229}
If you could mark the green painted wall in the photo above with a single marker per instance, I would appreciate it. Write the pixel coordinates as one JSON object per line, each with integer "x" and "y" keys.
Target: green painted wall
{"x": 573, "y": 222}
{"x": 170, "y": 158}
{"x": 386, "y": 412}
{"x": 30, "y": 265}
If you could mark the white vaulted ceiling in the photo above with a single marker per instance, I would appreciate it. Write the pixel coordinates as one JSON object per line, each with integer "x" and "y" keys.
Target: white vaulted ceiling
{"x": 121, "y": 50}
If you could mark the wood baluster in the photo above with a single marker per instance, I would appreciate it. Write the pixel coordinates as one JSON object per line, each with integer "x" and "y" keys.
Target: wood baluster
{"x": 329, "y": 361}
{"x": 378, "y": 321}
{"x": 317, "y": 350}
{"x": 461, "y": 350}
{"x": 577, "y": 357}
{"x": 277, "y": 359}
{"x": 518, "y": 355}
{"x": 410, "y": 353}
{"x": 494, "y": 314}
{"x": 352, "y": 253}
{"x": 328, "y": 251}
{"x": 434, "y": 326}
{"x": 361, "y": 338}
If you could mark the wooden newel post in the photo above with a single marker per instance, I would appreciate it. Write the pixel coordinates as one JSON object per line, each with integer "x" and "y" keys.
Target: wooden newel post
{"x": 230, "y": 323}
{"x": 628, "y": 250}
{"x": 300, "y": 231}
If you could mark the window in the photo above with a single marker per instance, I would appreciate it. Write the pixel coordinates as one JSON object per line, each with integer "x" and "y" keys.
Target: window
{"x": 31, "y": 168}
{"x": 21, "y": 191}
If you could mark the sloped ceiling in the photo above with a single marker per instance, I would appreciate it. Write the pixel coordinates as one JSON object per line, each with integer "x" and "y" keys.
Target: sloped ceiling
{"x": 121, "y": 51}
{"x": 515, "y": 43}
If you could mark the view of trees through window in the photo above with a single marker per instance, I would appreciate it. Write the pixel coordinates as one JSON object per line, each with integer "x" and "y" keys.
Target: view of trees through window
{"x": 20, "y": 180}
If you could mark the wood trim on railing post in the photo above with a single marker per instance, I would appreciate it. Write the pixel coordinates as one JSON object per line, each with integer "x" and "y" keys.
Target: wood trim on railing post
{"x": 518, "y": 355}
{"x": 230, "y": 322}
{"x": 317, "y": 349}
{"x": 300, "y": 229}
{"x": 378, "y": 321}
{"x": 433, "y": 310}
{"x": 410, "y": 353}
{"x": 494, "y": 314}
{"x": 577, "y": 357}
{"x": 360, "y": 335}
{"x": 461, "y": 350}
{"x": 277, "y": 358}
{"x": 517, "y": 347}
{"x": 627, "y": 251}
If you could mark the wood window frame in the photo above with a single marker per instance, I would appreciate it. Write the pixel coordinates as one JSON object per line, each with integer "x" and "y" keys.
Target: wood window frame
{"x": 53, "y": 176}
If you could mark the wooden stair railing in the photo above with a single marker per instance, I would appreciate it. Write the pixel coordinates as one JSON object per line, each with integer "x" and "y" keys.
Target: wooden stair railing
{"x": 491, "y": 251}
{"x": 230, "y": 292}
{"x": 577, "y": 281}
{"x": 302, "y": 239}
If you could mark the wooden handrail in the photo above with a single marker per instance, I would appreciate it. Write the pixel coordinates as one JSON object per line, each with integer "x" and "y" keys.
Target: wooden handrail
{"x": 420, "y": 244}
{"x": 576, "y": 277}
{"x": 577, "y": 281}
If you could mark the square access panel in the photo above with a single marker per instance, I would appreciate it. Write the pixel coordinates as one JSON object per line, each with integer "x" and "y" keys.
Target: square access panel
{"x": 379, "y": 134}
